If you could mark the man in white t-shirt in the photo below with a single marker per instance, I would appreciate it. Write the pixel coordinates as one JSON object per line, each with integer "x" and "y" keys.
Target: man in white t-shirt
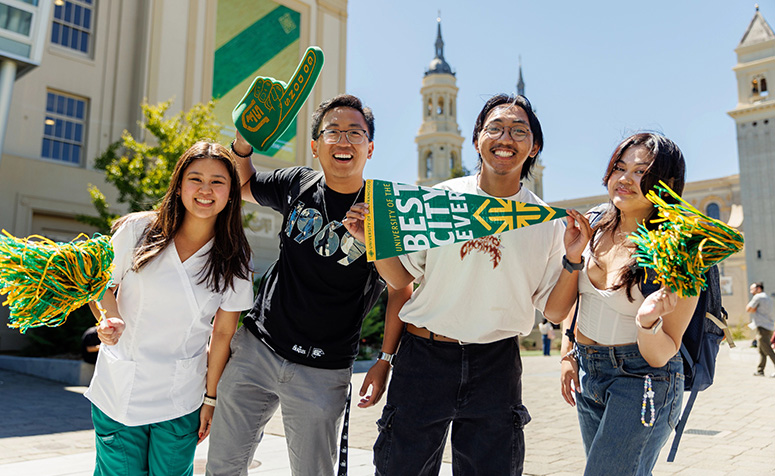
{"x": 458, "y": 362}
{"x": 760, "y": 308}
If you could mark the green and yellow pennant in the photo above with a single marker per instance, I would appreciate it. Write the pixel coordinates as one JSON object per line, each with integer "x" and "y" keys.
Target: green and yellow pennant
{"x": 405, "y": 218}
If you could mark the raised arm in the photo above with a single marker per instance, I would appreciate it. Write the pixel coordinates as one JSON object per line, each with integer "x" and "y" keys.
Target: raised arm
{"x": 660, "y": 346}
{"x": 242, "y": 154}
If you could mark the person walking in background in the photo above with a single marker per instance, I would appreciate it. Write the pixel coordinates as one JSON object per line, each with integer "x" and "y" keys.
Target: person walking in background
{"x": 547, "y": 334}
{"x": 760, "y": 308}
{"x": 183, "y": 276}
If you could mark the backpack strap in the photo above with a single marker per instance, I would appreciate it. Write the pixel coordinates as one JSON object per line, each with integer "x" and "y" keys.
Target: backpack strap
{"x": 342, "y": 471}
{"x": 722, "y": 324}
{"x": 679, "y": 429}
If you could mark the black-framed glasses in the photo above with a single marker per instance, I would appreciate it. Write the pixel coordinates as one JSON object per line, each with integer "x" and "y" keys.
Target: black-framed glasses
{"x": 518, "y": 133}
{"x": 354, "y": 136}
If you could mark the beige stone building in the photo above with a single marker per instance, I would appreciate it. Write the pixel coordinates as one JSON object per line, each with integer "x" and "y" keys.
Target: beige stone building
{"x": 102, "y": 58}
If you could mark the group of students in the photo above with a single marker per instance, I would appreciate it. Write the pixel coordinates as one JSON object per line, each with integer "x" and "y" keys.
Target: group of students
{"x": 175, "y": 368}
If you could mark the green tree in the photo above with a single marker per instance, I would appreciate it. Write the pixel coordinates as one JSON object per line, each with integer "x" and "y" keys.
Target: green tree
{"x": 141, "y": 170}
{"x": 461, "y": 171}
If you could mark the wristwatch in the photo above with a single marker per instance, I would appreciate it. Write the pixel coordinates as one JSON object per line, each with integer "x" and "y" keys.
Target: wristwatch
{"x": 655, "y": 326}
{"x": 571, "y": 267}
{"x": 386, "y": 357}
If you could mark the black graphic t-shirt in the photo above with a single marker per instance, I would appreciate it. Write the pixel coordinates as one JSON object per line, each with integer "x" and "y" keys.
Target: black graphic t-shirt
{"x": 311, "y": 307}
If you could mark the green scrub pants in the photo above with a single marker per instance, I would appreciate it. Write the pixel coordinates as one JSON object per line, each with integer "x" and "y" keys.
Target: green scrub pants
{"x": 160, "y": 448}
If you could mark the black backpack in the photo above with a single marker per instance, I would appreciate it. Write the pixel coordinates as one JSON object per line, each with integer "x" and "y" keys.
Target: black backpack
{"x": 701, "y": 340}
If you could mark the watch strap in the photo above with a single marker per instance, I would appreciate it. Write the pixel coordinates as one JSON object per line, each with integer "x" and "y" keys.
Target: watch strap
{"x": 386, "y": 357}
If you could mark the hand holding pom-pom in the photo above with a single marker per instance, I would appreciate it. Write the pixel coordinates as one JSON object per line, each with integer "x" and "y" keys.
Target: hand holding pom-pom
{"x": 110, "y": 330}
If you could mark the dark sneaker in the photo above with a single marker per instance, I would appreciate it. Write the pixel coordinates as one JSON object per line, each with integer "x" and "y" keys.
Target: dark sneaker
{"x": 758, "y": 373}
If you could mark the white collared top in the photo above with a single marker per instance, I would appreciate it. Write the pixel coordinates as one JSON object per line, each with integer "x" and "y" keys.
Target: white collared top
{"x": 157, "y": 370}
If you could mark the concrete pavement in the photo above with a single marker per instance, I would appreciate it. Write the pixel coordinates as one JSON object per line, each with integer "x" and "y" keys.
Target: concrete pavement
{"x": 45, "y": 427}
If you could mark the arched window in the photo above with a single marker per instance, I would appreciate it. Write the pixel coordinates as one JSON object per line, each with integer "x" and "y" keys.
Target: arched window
{"x": 440, "y": 108}
{"x": 452, "y": 161}
{"x": 759, "y": 86}
{"x": 429, "y": 165}
{"x": 429, "y": 108}
{"x": 763, "y": 86}
{"x": 713, "y": 210}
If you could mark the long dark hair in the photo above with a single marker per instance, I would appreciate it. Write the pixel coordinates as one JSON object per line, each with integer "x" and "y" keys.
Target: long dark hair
{"x": 229, "y": 258}
{"x": 667, "y": 165}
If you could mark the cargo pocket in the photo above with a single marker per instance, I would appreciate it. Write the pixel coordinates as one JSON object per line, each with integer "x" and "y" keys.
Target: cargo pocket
{"x": 111, "y": 455}
{"x": 521, "y": 418}
{"x": 385, "y": 439}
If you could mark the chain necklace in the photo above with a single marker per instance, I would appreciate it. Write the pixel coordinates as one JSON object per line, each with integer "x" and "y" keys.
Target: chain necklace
{"x": 327, "y": 241}
{"x": 325, "y": 209}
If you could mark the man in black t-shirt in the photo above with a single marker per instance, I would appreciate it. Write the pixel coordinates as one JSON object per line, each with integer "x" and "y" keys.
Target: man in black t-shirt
{"x": 298, "y": 344}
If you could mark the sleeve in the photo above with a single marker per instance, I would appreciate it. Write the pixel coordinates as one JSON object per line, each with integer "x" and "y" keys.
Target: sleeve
{"x": 238, "y": 297}
{"x": 124, "y": 241}
{"x": 271, "y": 188}
{"x": 754, "y": 303}
{"x": 415, "y": 263}
{"x": 552, "y": 269}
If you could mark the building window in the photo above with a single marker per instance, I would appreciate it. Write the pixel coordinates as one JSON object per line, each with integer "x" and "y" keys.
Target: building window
{"x": 440, "y": 107}
{"x": 713, "y": 211}
{"x": 64, "y": 128}
{"x": 73, "y": 24}
{"x": 429, "y": 165}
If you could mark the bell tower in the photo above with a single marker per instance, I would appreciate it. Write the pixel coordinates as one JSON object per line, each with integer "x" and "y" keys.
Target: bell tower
{"x": 439, "y": 142}
{"x": 754, "y": 118}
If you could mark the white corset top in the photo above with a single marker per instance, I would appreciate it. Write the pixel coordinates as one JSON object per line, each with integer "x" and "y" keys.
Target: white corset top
{"x": 606, "y": 316}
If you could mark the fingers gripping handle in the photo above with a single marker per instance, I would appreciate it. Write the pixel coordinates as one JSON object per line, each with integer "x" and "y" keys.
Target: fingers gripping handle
{"x": 269, "y": 106}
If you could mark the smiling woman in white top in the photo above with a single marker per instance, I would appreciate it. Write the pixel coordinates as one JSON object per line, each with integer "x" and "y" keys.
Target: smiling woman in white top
{"x": 625, "y": 372}
{"x": 183, "y": 276}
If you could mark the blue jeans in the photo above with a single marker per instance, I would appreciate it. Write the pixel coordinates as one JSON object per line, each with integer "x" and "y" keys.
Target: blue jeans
{"x": 547, "y": 344}
{"x": 609, "y": 408}
{"x": 475, "y": 387}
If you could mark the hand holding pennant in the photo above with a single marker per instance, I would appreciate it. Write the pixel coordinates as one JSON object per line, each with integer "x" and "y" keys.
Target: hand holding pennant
{"x": 404, "y": 218}
{"x": 269, "y": 106}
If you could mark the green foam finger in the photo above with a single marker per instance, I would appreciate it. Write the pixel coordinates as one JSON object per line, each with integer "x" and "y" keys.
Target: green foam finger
{"x": 269, "y": 106}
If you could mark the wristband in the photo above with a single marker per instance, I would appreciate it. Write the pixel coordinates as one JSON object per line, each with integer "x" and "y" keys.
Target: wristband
{"x": 571, "y": 267}
{"x": 653, "y": 329}
{"x": 209, "y": 400}
{"x": 233, "y": 151}
{"x": 386, "y": 357}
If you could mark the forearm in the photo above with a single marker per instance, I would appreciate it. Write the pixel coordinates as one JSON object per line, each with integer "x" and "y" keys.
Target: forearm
{"x": 657, "y": 348}
{"x": 393, "y": 325}
{"x": 394, "y": 273}
{"x": 110, "y": 304}
{"x": 562, "y": 297}
{"x": 223, "y": 330}
{"x": 567, "y": 345}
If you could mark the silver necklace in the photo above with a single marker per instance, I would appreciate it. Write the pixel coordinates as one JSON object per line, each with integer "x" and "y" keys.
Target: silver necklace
{"x": 327, "y": 241}
{"x": 325, "y": 209}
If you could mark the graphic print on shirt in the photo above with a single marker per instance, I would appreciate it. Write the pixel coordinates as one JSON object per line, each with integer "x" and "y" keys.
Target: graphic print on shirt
{"x": 489, "y": 245}
{"x": 308, "y": 222}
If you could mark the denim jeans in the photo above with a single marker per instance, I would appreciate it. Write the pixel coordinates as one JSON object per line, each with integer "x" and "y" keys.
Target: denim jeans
{"x": 609, "y": 408}
{"x": 475, "y": 387}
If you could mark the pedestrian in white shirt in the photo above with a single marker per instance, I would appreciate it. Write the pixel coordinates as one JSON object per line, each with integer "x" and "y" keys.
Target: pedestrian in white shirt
{"x": 183, "y": 276}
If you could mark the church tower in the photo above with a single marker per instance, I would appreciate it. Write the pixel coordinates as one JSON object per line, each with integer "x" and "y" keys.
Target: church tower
{"x": 754, "y": 118}
{"x": 535, "y": 182}
{"x": 439, "y": 142}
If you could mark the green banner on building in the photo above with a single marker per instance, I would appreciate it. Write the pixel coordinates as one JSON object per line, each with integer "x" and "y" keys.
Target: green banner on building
{"x": 405, "y": 218}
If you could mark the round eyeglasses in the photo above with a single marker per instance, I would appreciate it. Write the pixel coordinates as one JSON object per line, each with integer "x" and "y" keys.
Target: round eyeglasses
{"x": 518, "y": 133}
{"x": 354, "y": 136}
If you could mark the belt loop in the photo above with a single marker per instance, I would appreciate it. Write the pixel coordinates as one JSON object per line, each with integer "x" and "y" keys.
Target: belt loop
{"x": 431, "y": 334}
{"x": 612, "y": 355}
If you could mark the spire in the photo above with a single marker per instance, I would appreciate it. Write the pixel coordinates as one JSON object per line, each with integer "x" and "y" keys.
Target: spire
{"x": 758, "y": 31}
{"x": 438, "y": 64}
{"x": 520, "y": 82}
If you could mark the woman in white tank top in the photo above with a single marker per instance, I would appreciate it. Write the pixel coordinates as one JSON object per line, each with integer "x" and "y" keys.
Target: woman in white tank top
{"x": 625, "y": 372}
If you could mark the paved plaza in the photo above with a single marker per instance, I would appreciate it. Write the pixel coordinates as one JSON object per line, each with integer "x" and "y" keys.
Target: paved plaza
{"x": 46, "y": 429}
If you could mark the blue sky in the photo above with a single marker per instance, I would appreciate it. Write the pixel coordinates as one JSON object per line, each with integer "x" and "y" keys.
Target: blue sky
{"x": 594, "y": 71}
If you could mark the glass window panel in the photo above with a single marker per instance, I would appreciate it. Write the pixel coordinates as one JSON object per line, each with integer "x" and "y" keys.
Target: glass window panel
{"x": 55, "y": 33}
{"x": 77, "y": 15}
{"x": 74, "y": 35}
{"x": 65, "y": 36}
{"x": 58, "y": 128}
{"x": 84, "y": 42}
{"x": 78, "y": 133}
{"x": 58, "y": 12}
{"x": 60, "y": 105}
{"x": 56, "y": 150}
{"x": 70, "y": 111}
{"x": 87, "y": 18}
{"x": 77, "y": 154}
{"x": 50, "y": 102}
{"x": 66, "y": 152}
{"x": 46, "y": 148}
{"x": 79, "y": 110}
{"x": 68, "y": 12}
{"x": 69, "y": 130}
{"x": 48, "y": 129}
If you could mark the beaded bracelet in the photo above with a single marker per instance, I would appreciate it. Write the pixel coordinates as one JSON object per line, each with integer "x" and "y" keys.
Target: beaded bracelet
{"x": 249, "y": 154}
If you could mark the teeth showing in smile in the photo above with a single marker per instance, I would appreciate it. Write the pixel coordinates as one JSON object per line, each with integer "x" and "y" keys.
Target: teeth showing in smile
{"x": 503, "y": 153}
{"x": 204, "y": 202}
{"x": 343, "y": 156}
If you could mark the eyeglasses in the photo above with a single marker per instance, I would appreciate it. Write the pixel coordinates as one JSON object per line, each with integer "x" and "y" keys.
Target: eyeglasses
{"x": 354, "y": 136}
{"x": 518, "y": 133}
